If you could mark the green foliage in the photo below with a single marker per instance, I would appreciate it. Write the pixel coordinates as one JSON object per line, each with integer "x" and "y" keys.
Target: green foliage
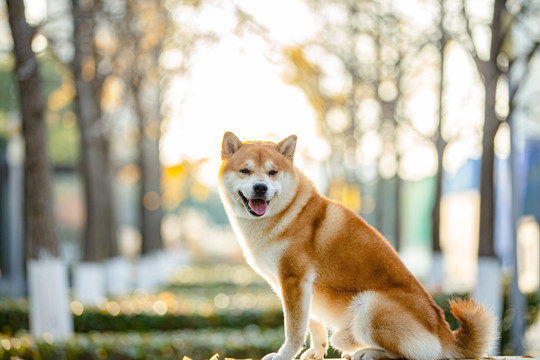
{"x": 443, "y": 301}
{"x": 143, "y": 322}
{"x": 249, "y": 342}
{"x": 13, "y": 320}
{"x": 533, "y": 305}
{"x": 58, "y": 94}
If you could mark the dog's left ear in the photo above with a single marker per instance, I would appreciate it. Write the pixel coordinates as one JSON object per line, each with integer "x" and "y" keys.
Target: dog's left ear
{"x": 287, "y": 146}
{"x": 229, "y": 145}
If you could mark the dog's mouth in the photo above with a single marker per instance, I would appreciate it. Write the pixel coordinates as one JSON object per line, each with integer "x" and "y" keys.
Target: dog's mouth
{"x": 256, "y": 207}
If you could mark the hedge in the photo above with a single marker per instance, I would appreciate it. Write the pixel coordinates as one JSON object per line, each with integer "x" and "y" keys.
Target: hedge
{"x": 14, "y": 320}
{"x": 250, "y": 342}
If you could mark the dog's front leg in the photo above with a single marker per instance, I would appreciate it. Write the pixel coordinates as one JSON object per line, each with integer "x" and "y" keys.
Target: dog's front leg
{"x": 319, "y": 340}
{"x": 296, "y": 297}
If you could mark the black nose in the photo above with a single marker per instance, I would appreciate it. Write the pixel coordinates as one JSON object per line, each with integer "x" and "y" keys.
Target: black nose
{"x": 260, "y": 189}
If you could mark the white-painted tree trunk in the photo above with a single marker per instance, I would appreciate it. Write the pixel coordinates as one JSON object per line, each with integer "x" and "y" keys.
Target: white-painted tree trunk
{"x": 155, "y": 269}
{"x": 89, "y": 283}
{"x": 489, "y": 287}
{"x": 50, "y": 314}
{"x": 119, "y": 276}
{"x": 437, "y": 273}
{"x": 148, "y": 272}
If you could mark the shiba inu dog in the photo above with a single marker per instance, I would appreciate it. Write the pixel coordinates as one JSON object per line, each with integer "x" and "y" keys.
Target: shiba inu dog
{"x": 332, "y": 270}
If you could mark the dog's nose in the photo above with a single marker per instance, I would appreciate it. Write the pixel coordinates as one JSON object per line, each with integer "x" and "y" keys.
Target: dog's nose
{"x": 260, "y": 189}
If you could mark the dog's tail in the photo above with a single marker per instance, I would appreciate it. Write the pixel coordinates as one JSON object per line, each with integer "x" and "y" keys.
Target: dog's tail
{"x": 478, "y": 333}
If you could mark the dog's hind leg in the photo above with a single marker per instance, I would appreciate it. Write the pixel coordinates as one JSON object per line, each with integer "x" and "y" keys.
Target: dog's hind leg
{"x": 390, "y": 331}
{"x": 345, "y": 342}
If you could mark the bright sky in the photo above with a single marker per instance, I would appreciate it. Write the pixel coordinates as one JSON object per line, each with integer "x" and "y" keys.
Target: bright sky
{"x": 239, "y": 92}
{"x": 234, "y": 87}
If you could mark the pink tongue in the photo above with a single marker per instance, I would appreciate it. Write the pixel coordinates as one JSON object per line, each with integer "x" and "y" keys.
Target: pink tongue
{"x": 258, "y": 206}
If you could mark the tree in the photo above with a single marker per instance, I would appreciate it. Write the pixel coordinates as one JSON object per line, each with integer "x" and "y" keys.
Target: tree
{"x": 99, "y": 241}
{"x": 440, "y": 146}
{"x": 49, "y": 309}
{"x": 148, "y": 30}
{"x": 518, "y": 76}
{"x": 40, "y": 232}
{"x": 490, "y": 73}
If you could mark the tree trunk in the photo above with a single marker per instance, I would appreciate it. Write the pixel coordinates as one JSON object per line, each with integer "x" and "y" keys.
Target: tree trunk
{"x": 440, "y": 145}
{"x": 49, "y": 311}
{"x": 151, "y": 210}
{"x": 146, "y": 90}
{"x": 486, "y": 247}
{"x": 436, "y": 212}
{"x": 39, "y": 227}
{"x": 490, "y": 74}
{"x": 489, "y": 288}
{"x": 99, "y": 240}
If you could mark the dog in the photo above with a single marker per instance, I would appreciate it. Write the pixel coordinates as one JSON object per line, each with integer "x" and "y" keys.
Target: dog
{"x": 332, "y": 270}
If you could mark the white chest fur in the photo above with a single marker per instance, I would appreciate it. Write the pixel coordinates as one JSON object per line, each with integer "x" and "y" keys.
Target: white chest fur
{"x": 261, "y": 252}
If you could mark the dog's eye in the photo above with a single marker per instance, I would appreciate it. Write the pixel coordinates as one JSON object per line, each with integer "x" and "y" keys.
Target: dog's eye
{"x": 272, "y": 172}
{"x": 245, "y": 171}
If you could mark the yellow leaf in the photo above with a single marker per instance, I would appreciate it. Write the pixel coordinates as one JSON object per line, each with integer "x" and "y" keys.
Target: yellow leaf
{"x": 215, "y": 357}
{"x": 186, "y": 358}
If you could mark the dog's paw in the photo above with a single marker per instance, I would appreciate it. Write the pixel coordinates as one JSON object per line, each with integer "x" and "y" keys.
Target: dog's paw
{"x": 313, "y": 353}
{"x": 272, "y": 356}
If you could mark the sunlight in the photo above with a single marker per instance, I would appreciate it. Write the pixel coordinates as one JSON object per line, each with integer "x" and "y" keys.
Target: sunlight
{"x": 36, "y": 11}
{"x": 233, "y": 88}
{"x": 528, "y": 241}
{"x": 460, "y": 214}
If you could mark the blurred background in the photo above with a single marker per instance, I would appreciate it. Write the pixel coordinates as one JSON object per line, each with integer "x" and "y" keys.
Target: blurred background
{"x": 423, "y": 116}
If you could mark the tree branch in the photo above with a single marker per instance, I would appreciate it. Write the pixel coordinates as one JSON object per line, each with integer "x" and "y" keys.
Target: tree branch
{"x": 480, "y": 65}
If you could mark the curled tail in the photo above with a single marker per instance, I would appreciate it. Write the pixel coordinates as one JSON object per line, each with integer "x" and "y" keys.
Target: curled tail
{"x": 478, "y": 333}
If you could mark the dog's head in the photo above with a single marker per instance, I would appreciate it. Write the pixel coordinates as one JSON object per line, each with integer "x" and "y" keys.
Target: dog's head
{"x": 257, "y": 179}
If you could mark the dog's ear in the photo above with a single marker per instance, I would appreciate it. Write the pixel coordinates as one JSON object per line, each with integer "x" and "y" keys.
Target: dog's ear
{"x": 229, "y": 145}
{"x": 287, "y": 146}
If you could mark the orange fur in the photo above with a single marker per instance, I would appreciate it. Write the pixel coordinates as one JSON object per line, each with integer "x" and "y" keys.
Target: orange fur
{"x": 327, "y": 263}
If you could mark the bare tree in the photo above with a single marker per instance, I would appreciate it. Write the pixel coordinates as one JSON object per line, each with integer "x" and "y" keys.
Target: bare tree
{"x": 99, "y": 240}
{"x": 440, "y": 142}
{"x": 490, "y": 73}
{"x": 40, "y": 232}
{"x": 47, "y": 275}
{"x": 145, "y": 84}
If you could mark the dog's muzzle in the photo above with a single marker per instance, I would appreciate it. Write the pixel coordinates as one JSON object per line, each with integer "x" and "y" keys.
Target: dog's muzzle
{"x": 258, "y": 203}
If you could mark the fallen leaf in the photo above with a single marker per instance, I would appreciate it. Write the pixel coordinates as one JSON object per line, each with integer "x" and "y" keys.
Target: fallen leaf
{"x": 186, "y": 358}
{"x": 528, "y": 356}
{"x": 215, "y": 357}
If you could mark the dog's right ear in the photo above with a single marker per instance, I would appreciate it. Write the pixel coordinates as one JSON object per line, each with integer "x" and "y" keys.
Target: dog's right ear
{"x": 229, "y": 145}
